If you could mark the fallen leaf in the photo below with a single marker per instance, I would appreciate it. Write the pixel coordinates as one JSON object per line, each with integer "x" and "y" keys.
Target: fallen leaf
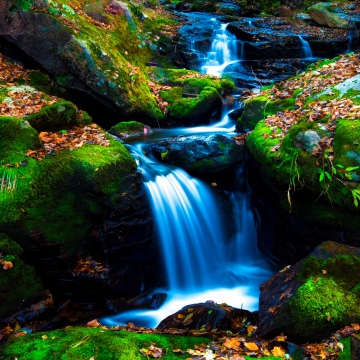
{"x": 93, "y": 324}
{"x": 251, "y": 346}
{"x": 231, "y": 343}
{"x": 278, "y": 351}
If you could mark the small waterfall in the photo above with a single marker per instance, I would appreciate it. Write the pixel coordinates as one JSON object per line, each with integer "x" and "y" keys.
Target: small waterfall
{"x": 189, "y": 230}
{"x": 223, "y": 52}
{"x": 306, "y": 48}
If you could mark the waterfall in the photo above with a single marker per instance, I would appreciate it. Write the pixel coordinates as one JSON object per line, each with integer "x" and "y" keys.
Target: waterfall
{"x": 223, "y": 52}
{"x": 188, "y": 225}
{"x": 306, "y": 48}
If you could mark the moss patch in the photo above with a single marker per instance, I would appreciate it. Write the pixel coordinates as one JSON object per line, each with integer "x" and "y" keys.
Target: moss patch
{"x": 102, "y": 344}
{"x": 58, "y": 116}
{"x": 127, "y": 127}
{"x": 328, "y": 298}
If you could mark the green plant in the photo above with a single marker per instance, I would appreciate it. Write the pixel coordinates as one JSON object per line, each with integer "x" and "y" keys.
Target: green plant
{"x": 330, "y": 171}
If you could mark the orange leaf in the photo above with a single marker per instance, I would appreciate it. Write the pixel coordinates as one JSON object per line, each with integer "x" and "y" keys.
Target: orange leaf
{"x": 231, "y": 343}
{"x": 93, "y": 324}
{"x": 278, "y": 351}
{"x": 251, "y": 346}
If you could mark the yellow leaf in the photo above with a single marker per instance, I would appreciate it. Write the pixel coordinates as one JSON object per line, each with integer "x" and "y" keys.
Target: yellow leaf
{"x": 251, "y": 346}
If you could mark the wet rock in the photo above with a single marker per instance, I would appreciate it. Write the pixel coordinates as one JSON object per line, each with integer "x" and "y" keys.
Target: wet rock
{"x": 200, "y": 154}
{"x": 158, "y": 300}
{"x": 235, "y": 114}
{"x": 314, "y": 297}
{"x": 208, "y": 316}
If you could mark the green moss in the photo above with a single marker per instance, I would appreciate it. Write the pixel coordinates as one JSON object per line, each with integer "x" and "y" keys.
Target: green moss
{"x": 258, "y": 108}
{"x": 127, "y": 127}
{"x": 59, "y": 196}
{"x": 18, "y": 285}
{"x": 320, "y": 300}
{"x": 172, "y": 95}
{"x": 56, "y": 117}
{"x": 102, "y": 344}
{"x": 326, "y": 301}
{"x": 16, "y": 137}
{"x": 346, "y": 353}
{"x": 195, "y": 108}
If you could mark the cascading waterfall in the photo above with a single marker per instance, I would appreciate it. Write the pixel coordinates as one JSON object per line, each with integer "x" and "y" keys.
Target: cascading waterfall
{"x": 306, "y": 48}
{"x": 189, "y": 230}
{"x": 201, "y": 262}
{"x": 223, "y": 52}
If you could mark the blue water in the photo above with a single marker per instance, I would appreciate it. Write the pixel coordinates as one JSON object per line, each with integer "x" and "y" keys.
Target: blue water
{"x": 203, "y": 260}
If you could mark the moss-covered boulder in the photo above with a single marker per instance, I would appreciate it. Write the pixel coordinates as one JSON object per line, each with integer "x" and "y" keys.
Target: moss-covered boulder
{"x": 200, "y": 154}
{"x": 191, "y": 98}
{"x": 129, "y": 128}
{"x": 19, "y": 285}
{"x": 313, "y": 144}
{"x": 258, "y": 108}
{"x": 97, "y": 47}
{"x": 314, "y": 297}
{"x": 59, "y": 116}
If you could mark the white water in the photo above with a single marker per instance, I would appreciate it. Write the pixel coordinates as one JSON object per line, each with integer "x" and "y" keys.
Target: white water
{"x": 201, "y": 262}
{"x": 223, "y": 52}
{"x": 306, "y": 48}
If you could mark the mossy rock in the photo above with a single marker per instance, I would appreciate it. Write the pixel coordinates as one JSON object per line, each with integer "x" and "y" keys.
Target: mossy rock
{"x": 258, "y": 108}
{"x": 196, "y": 109}
{"x": 16, "y": 137}
{"x": 316, "y": 296}
{"x": 104, "y": 344}
{"x": 59, "y": 116}
{"x": 129, "y": 128}
{"x": 19, "y": 286}
{"x": 59, "y": 196}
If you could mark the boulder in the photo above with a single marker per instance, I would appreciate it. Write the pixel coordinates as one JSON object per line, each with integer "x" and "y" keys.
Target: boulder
{"x": 200, "y": 154}
{"x": 314, "y": 297}
{"x": 322, "y": 15}
{"x": 208, "y": 316}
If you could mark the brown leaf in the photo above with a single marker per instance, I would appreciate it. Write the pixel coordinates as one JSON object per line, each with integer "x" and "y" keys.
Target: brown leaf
{"x": 278, "y": 351}
{"x": 231, "y": 343}
{"x": 93, "y": 324}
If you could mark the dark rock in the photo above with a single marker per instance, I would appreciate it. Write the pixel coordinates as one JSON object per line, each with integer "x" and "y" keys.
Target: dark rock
{"x": 235, "y": 114}
{"x": 200, "y": 154}
{"x": 355, "y": 347}
{"x": 208, "y": 316}
{"x": 158, "y": 300}
{"x": 314, "y": 297}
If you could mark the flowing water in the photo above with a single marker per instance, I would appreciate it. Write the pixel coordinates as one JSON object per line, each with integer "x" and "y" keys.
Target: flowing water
{"x": 306, "y": 48}
{"x": 203, "y": 259}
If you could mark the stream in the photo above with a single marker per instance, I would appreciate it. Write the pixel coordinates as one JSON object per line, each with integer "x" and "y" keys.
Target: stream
{"x": 207, "y": 256}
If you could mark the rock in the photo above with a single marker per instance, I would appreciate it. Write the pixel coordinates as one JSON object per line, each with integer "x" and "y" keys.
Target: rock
{"x": 97, "y": 70}
{"x": 196, "y": 110}
{"x": 314, "y": 297}
{"x": 235, "y": 114}
{"x": 322, "y": 15}
{"x": 200, "y": 154}
{"x": 130, "y": 128}
{"x": 208, "y": 316}
{"x": 355, "y": 347}
{"x": 158, "y": 300}
{"x": 308, "y": 140}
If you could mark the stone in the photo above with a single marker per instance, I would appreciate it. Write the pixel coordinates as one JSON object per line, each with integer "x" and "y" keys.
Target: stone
{"x": 322, "y": 15}
{"x": 208, "y": 316}
{"x": 200, "y": 154}
{"x": 308, "y": 139}
{"x": 314, "y": 297}
{"x": 355, "y": 347}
